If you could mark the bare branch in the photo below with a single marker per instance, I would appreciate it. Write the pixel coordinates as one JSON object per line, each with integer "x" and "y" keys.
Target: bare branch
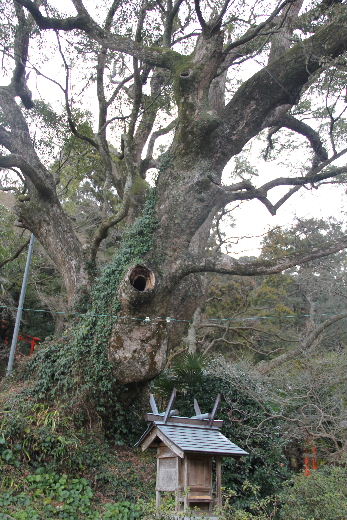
{"x": 290, "y": 122}
{"x": 186, "y": 37}
{"x": 202, "y": 22}
{"x": 312, "y": 178}
{"x": 137, "y": 94}
{"x": 155, "y": 135}
{"x": 285, "y": 197}
{"x": 15, "y": 255}
{"x": 84, "y": 22}
{"x": 218, "y": 20}
{"x": 176, "y": 7}
{"x": 171, "y": 13}
{"x": 225, "y": 264}
{"x": 103, "y": 105}
{"x": 250, "y": 35}
{"x": 149, "y": 114}
{"x": 111, "y": 13}
{"x": 119, "y": 88}
{"x": 71, "y": 123}
{"x": 160, "y": 5}
{"x": 245, "y": 190}
{"x": 67, "y": 24}
{"x": 305, "y": 347}
{"x": 104, "y": 228}
{"x": 137, "y": 98}
{"x": 21, "y": 45}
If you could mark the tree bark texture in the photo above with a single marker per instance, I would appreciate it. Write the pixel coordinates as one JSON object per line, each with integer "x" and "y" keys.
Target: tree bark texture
{"x": 166, "y": 281}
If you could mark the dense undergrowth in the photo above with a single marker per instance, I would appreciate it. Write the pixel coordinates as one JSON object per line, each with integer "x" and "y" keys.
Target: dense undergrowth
{"x": 65, "y": 437}
{"x": 48, "y": 495}
{"x": 51, "y": 469}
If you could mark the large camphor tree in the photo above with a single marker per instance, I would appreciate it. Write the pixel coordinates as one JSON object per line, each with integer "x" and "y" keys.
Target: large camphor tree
{"x": 167, "y": 72}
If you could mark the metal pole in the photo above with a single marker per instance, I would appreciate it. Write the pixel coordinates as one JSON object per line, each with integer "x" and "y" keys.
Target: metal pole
{"x": 20, "y": 307}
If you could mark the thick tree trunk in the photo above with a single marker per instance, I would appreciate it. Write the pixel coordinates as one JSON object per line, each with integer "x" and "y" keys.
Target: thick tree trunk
{"x": 52, "y": 227}
{"x": 139, "y": 350}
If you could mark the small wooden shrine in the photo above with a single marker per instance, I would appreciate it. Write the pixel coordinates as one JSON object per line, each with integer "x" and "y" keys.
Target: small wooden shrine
{"x": 189, "y": 455}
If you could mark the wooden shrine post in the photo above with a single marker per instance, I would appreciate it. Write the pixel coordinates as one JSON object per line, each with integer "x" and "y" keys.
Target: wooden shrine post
{"x": 218, "y": 481}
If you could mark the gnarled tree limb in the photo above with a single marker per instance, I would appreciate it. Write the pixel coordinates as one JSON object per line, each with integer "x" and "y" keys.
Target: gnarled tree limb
{"x": 21, "y": 45}
{"x": 158, "y": 57}
{"x": 246, "y": 191}
{"x": 17, "y": 161}
{"x": 15, "y": 255}
{"x": 225, "y": 264}
{"x": 277, "y": 84}
{"x": 303, "y": 349}
{"x": 290, "y": 122}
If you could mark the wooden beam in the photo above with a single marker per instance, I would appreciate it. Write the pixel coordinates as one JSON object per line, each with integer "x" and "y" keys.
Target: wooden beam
{"x": 157, "y": 434}
{"x": 185, "y": 485}
{"x": 157, "y": 492}
{"x": 219, "y": 482}
{"x": 153, "y": 404}
{"x": 148, "y": 441}
{"x": 196, "y": 407}
{"x": 150, "y": 417}
{"x": 202, "y": 416}
{"x": 170, "y": 405}
{"x": 157, "y": 499}
{"x": 215, "y": 408}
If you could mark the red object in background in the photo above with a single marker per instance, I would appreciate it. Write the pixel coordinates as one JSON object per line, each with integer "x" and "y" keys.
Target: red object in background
{"x": 33, "y": 340}
{"x": 307, "y": 470}
{"x": 310, "y": 461}
{"x": 6, "y": 334}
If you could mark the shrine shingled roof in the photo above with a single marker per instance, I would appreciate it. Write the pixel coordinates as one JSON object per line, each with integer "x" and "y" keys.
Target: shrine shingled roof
{"x": 200, "y": 440}
{"x": 197, "y": 434}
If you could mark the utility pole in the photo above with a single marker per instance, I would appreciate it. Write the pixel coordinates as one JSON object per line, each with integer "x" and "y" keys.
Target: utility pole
{"x": 20, "y": 307}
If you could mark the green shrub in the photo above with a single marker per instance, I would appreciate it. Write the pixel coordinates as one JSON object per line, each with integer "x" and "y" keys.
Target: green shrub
{"x": 322, "y": 496}
{"x": 51, "y": 496}
{"x": 122, "y": 511}
{"x": 8, "y": 454}
{"x": 48, "y": 495}
{"x": 74, "y": 494}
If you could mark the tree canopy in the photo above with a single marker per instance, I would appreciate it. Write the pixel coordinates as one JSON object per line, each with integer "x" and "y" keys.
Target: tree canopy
{"x": 138, "y": 109}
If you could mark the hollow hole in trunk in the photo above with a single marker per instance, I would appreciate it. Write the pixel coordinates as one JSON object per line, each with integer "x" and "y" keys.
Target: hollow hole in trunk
{"x": 139, "y": 283}
{"x": 142, "y": 278}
